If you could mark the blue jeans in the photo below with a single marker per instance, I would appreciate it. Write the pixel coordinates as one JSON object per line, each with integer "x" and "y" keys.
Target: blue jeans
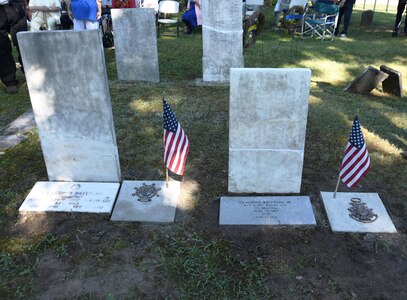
{"x": 346, "y": 10}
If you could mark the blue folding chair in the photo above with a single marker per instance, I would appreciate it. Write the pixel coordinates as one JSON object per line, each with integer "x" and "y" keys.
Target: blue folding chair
{"x": 322, "y": 21}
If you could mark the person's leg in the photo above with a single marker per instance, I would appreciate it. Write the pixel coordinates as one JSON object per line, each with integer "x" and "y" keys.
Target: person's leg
{"x": 400, "y": 10}
{"x": 37, "y": 21}
{"x": 405, "y": 21}
{"x": 66, "y": 22}
{"x": 341, "y": 12}
{"x": 7, "y": 63}
{"x": 20, "y": 25}
{"x": 347, "y": 15}
{"x": 53, "y": 20}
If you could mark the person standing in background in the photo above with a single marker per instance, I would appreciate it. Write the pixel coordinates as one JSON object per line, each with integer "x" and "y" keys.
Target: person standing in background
{"x": 346, "y": 9}
{"x": 193, "y": 16}
{"x": 400, "y": 10}
{"x": 85, "y": 13}
{"x": 12, "y": 20}
{"x": 45, "y": 14}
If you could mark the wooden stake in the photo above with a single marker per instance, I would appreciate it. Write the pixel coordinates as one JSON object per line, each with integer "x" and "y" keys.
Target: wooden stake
{"x": 166, "y": 177}
{"x": 337, "y": 185}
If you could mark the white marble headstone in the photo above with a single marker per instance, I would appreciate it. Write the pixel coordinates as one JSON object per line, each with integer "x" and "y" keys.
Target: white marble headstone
{"x": 222, "y": 38}
{"x": 88, "y": 197}
{"x": 267, "y": 124}
{"x": 277, "y": 210}
{"x": 357, "y": 212}
{"x": 69, "y": 92}
{"x": 136, "y": 44}
{"x": 147, "y": 201}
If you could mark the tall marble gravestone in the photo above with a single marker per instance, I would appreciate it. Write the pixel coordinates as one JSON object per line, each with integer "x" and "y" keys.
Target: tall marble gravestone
{"x": 136, "y": 44}
{"x": 69, "y": 92}
{"x": 267, "y": 124}
{"x": 222, "y": 38}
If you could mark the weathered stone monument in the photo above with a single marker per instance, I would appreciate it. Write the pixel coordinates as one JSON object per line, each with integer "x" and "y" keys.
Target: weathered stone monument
{"x": 357, "y": 212}
{"x": 222, "y": 36}
{"x": 393, "y": 84}
{"x": 367, "y": 81}
{"x": 366, "y": 20}
{"x": 267, "y": 124}
{"x": 69, "y": 92}
{"x": 136, "y": 44}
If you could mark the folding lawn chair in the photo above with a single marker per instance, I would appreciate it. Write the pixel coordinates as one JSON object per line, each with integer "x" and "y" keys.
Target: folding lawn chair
{"x": 322, "y": 21}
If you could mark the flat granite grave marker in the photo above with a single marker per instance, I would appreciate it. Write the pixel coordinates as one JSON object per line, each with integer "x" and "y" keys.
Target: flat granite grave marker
{"x": 69, "y": 92}
{"x": 222, "y": 39}
{"x": 367, "y": 81}
{"x": 393, "y": 84}
{"x": 88, "y": 197}
{"x": 278, "y": 210}
{"x": 147, "y": 201}
{"x": 357, "y": 212}
{"x": 136, "y": 44}
{"x": 267, "y": 124}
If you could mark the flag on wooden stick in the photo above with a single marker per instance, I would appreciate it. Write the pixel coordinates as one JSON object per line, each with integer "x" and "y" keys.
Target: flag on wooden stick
{"x": 176, "y": 144}
{"x": 356, "y": 162}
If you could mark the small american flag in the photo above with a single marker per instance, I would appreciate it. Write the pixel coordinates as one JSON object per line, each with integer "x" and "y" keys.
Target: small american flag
{"x": 176, "y": 144}
{"x": 356, "y": 162}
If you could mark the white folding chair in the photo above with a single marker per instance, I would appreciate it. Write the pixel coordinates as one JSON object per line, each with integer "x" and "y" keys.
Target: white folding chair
{"x": 168, "y": 14}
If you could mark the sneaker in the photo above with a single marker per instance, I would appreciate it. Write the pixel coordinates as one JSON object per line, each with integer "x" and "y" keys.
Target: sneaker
{"x": 343, "y": 35}
{"x": 12, "y": 89}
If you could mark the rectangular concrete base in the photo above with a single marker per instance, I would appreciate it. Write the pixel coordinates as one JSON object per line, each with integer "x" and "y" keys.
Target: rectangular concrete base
{"x": 357, "y": 212}
{"x": 147, "y": 201}
{"x": 90, "y": 197}
{"x": 266, "y": 210}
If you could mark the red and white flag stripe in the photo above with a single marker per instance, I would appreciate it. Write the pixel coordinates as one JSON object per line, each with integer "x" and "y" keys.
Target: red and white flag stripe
{"x": 176, "y": 148}
{"x": 355, "y": 165}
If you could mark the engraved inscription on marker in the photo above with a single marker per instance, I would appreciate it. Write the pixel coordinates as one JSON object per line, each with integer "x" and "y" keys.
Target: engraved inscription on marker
{"x": 71, "y": 196}
{"x": 145, "y": 193}
{"x": 266, "y": 210}
{"x": 360, "y": 212}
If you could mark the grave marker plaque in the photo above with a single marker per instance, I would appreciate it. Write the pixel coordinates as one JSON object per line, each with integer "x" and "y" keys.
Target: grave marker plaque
{"x": 279, "y": 210}
{"x": 69, "y": 92}
{"x": 88, "y": 197}
{"x": 357, "y": 212}
{"x": 147, "y": 201}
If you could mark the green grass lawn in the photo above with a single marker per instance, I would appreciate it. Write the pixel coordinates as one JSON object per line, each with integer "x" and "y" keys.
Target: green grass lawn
{"x": 195, "y": 256}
